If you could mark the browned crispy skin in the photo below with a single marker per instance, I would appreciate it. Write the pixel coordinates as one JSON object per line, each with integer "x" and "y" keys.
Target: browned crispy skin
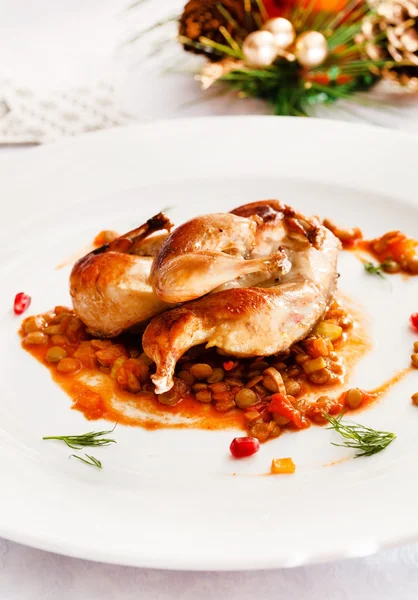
{"x": 207, "y": 252}
{"x": 272, "y": 212}
{"x": 110, "y": 286}
{"x": 254, "y": 321}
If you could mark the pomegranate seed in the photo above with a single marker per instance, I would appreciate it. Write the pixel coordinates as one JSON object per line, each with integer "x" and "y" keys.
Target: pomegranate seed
{"x": 21, "y": 303}
{"x": 244, "y": 446}
{"x": 229, "y": 365}
{"x": 414, "y": 320}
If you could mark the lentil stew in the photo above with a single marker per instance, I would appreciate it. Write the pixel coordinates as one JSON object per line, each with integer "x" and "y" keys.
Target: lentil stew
{"x": 264, "y": 395}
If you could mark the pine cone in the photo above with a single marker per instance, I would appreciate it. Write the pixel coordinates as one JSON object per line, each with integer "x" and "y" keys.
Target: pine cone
{"x": 203, "y": 18}
{"x": 398, "y": 20}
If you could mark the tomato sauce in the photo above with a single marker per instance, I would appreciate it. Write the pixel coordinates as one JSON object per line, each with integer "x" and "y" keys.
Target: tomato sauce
{"x": 97, "y": 394}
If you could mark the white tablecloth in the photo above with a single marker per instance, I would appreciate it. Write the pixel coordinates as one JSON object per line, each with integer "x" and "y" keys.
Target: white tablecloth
{"x": 55, "y": 44}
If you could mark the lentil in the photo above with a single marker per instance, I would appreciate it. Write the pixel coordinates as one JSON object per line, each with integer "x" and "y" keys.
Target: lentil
{"x": 293, "y": 371}
{"x": 32, "y": 324}
{"x": 68, "y": 365}
{"x": 197, "y": 387}
{"x": 224, "y": 405}
{"x": 319, "y": 377}
{"x": 292, "y": 387}
{"x": 234, "y": 382}
{"x": 302, "y": 358}
{"x": 201, "y": 371}
{"x": 245, "y": 398}
{"x": 280, "y": 419}
{"x": 279, "y": 365}
{"x": 217, "y": 375}
{"x": 204, "y": 396}
{"x": 169, "y": 398}
{"x": 246, "y": 384}
{"x": 53, "y": 329}
{"x": 100, "y": 344}
{"x": 354, "y": 398}
{"x": 35, "y": 338}
{"x": 59, "y": 340}
{"x": 55, "y": 354}
{"x": 219, "y": 387}
{"x": 391, "y": 266}
{"x": 260, "y": 431}
{"x": 187, "y": 377}
{"x": 258, "y": 366}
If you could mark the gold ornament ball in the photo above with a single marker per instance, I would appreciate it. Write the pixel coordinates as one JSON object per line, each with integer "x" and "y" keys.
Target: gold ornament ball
{"x": 311, "y": 49}
{"x": 259, "y": 49}
{"x": 282, "y": 30}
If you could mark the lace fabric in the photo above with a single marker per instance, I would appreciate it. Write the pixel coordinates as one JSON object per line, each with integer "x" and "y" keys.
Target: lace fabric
{"x": 29, "y": 116}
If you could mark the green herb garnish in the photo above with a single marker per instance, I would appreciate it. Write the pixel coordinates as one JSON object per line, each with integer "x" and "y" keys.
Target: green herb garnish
{"x": 78, "y": 442}
{"x": 365, "y": 440}
{"x": 372, "y": 269}
{"x": 89, "y": 460}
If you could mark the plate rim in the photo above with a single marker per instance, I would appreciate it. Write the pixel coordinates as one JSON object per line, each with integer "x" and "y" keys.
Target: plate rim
{"x": 134, "y": 131}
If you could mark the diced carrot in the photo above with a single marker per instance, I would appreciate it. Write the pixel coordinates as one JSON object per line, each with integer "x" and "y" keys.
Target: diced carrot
{"x": 107, "y": 356}
{"x": 282, "y": 466}
{"x": 86, "y": 355}
{"x": 91, "y": 404}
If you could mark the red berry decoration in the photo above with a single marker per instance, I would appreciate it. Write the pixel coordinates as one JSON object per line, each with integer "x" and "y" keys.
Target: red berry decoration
{"x": 414, "y": 320}
{"x": 21, "y": 303}
{"x": 244, "y": 446}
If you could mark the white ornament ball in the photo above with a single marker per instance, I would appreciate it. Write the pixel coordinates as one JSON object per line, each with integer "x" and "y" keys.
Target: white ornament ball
{"x": 259, "y": 49}
{"x": 311, "y": 49}
{"x": 282, "y": 30}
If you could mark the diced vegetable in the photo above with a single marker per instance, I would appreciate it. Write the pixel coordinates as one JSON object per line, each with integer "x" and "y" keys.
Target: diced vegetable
{"x": 281, "y": 405}
{"x": 329, "y": 330}
{"x": 316, "y": 364}
{"x": 282, "y": 466}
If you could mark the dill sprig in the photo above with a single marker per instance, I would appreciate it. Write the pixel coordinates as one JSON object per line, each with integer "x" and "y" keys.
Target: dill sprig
{"x": 372, "y": 269}
{"x": 365, "y": 440}
{"x": 78, "y": 442}
{"x": 89, "y": 460}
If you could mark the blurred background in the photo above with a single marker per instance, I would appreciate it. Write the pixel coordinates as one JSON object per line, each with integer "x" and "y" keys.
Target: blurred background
{"x": 92, "y": 62}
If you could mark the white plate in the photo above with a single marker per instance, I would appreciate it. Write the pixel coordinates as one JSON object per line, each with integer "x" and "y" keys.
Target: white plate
{"x": 169, "y": 498}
